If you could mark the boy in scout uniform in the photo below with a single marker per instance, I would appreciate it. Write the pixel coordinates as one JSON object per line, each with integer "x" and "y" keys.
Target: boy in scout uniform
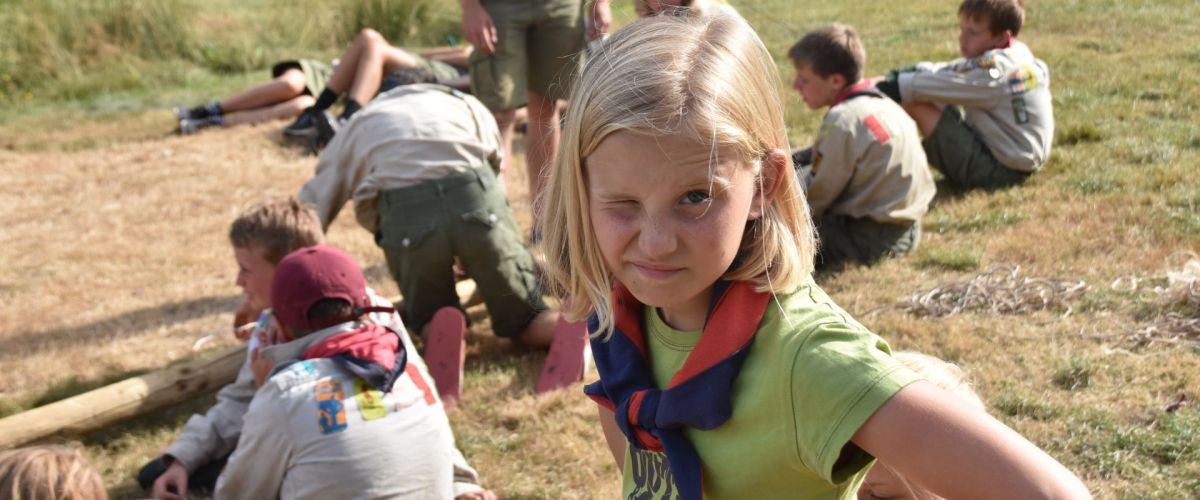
{"x": 868, "y": 183}
{"x": 987, "y": 118}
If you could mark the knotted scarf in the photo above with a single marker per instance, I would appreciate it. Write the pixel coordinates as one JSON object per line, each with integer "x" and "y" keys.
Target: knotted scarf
{"x": 370, "y": 351}
{"x": 697, "y": 396}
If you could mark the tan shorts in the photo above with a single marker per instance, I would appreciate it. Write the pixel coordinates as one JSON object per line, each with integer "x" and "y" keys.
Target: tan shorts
{"x": 539, "y": 48}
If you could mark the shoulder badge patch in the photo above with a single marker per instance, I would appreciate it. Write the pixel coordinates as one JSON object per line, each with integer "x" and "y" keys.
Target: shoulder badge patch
{"x": 370, "y": 401}
{"x": 877, "y": 129}
{"x": 331, "y": 413}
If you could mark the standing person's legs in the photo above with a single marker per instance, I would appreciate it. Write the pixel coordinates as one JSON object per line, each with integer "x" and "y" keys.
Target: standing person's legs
{"x": 555, "y": 43}
{"x": 498, "y": 79}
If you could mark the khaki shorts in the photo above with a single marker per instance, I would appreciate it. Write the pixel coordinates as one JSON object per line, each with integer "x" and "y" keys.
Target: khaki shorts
{"x": 956, "y": 150}
{"x": 422, "y": 228}
{"x": 316, "y": 73}
{"x": 539, "y": 48}
{"x": 846, "y": 240}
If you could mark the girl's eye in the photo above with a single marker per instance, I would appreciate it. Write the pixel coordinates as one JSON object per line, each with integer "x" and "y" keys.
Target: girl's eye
{"x": 695, "y": 197}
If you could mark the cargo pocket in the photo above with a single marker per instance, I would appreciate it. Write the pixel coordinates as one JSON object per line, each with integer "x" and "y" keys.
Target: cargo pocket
{"x": 499, "y": 236}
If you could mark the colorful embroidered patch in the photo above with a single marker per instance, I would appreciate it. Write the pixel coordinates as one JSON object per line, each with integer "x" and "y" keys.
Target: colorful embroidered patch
{"x": 877, "y": 129}
{"x": 301, "y": 369}
{"x": 986, "y": 61}
{"x": 331, "y": 413}
{"x": 370, "y": 401}
{"x": 1020, "y": 113}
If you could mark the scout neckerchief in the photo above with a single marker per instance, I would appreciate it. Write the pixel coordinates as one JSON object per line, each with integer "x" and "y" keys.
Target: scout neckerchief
{"x": 862, "y": 88}
{"x": 697, "y": 396}
{"x": 372, "y": 352}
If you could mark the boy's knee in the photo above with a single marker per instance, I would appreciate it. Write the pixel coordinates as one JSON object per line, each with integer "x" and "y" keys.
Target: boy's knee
{"x": 294, "y": 79}
{"x": 370, "y": 36}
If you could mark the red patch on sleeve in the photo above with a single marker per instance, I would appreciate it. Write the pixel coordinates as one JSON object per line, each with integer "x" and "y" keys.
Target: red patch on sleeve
{"x": 877, "y": 130}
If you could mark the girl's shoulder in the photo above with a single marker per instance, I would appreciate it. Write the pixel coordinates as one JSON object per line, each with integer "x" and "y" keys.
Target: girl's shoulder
{"x": 796, "y": 315}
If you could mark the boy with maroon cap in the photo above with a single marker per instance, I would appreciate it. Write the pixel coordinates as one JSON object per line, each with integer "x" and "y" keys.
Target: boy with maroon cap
{"x": 342, "y": 414}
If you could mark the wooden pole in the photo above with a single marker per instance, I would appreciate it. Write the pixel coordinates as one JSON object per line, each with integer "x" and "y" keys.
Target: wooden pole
{"x": 129, "y": 398}
{"x": 137, "y": 396}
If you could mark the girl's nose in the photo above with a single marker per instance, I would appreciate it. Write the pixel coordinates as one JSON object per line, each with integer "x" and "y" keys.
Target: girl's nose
{"x": 657, "y": 237}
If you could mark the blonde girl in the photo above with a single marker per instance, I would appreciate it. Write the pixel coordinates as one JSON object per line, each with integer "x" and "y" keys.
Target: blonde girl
{"x": 673, "y": 222}
{"x": 48, "y": 473}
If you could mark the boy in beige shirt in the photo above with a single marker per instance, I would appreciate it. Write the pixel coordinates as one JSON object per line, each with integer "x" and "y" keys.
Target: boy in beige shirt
{"x": 866, "y": 177}
{"x": 988, "y": 117}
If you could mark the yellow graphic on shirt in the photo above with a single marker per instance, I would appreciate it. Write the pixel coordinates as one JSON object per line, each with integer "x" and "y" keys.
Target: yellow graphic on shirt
{"x": 370, "y": 401}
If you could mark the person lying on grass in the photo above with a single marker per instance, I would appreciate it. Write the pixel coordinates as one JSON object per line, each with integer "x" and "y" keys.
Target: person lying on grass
{"x": 302, "y": 84}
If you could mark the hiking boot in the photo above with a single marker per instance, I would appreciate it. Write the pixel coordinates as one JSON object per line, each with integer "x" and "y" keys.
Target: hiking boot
{"x": 327, "y": 126}
{"x": 305, "y": 124}
{"x": 189, "y": 126}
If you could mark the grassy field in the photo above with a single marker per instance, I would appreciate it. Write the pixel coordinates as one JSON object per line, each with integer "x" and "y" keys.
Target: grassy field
{"x": 116, "y": 259}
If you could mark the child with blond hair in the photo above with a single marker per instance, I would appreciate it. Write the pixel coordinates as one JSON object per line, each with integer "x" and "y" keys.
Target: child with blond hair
{"x": 674, "y": 220}
{"x": 48, "y": 473}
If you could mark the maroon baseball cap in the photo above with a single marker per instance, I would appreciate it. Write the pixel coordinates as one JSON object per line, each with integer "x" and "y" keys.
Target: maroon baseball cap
{"x": 311, "y": 274}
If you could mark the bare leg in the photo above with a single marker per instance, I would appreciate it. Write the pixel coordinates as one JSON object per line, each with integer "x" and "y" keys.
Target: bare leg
{"x": 284, "y": 87}
{"x": 286, "y": 109}
{"x": 925, "y": 114}
{"x": 364, "y": 63}
{"x": 543, "y": 135}
{"x": 539, "y": 333}
{"x": 506, "y": 120}
{"x": 454, "y": 56}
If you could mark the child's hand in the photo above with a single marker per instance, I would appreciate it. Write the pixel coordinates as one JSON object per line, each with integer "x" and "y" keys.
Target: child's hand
{"x": 173, "y": 483}
{"x": 261, "y": 366}
{"x": 243, "y": 320}
{"x": 243, "y": 332}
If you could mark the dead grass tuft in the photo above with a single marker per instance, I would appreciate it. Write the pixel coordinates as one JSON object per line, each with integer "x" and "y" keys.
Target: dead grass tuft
{"x": 999, "y": 290}
{"x": 1180, "y": 296}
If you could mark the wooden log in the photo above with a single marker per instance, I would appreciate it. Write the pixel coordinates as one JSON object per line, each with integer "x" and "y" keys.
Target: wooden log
{"x": 121, "y": 401}
{"x": 130, "y": 398}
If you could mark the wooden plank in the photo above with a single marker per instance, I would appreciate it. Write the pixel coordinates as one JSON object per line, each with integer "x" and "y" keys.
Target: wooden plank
{"x": 121, "y": 401}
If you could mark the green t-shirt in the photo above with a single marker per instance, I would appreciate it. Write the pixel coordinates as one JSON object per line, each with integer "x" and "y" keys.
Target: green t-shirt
{"x": 811, "y": 379}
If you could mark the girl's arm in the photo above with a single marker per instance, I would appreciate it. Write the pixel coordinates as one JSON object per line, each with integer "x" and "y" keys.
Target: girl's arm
{"x": 958, "y": 451}
{"x": 614, "y": 437}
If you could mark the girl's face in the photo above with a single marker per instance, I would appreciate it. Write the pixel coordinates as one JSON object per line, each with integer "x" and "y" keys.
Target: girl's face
{"x": 668, "y": 225}
{"x": 254, "y": 276}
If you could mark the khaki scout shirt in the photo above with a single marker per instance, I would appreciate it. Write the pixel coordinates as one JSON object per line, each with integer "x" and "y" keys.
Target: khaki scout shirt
{"x": 868, "y": 163}
{"x": 1006, "y": 96}
{"x": 406, "y": 136}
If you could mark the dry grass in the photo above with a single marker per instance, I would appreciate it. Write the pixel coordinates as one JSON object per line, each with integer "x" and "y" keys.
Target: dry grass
{"x": 113, "y": 238}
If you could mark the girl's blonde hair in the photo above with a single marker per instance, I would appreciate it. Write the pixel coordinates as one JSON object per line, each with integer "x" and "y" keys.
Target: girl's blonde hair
{"x": 709, "y": 79}
{"x": 48, "y": 473}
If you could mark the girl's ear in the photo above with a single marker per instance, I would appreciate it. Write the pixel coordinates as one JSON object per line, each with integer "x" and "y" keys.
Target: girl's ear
{"x": 774, "y": 163}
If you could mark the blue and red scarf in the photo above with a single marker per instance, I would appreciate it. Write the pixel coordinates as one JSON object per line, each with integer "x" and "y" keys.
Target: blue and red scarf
{"x": 697, "y": 396}
{"x": 370, "y": 351}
